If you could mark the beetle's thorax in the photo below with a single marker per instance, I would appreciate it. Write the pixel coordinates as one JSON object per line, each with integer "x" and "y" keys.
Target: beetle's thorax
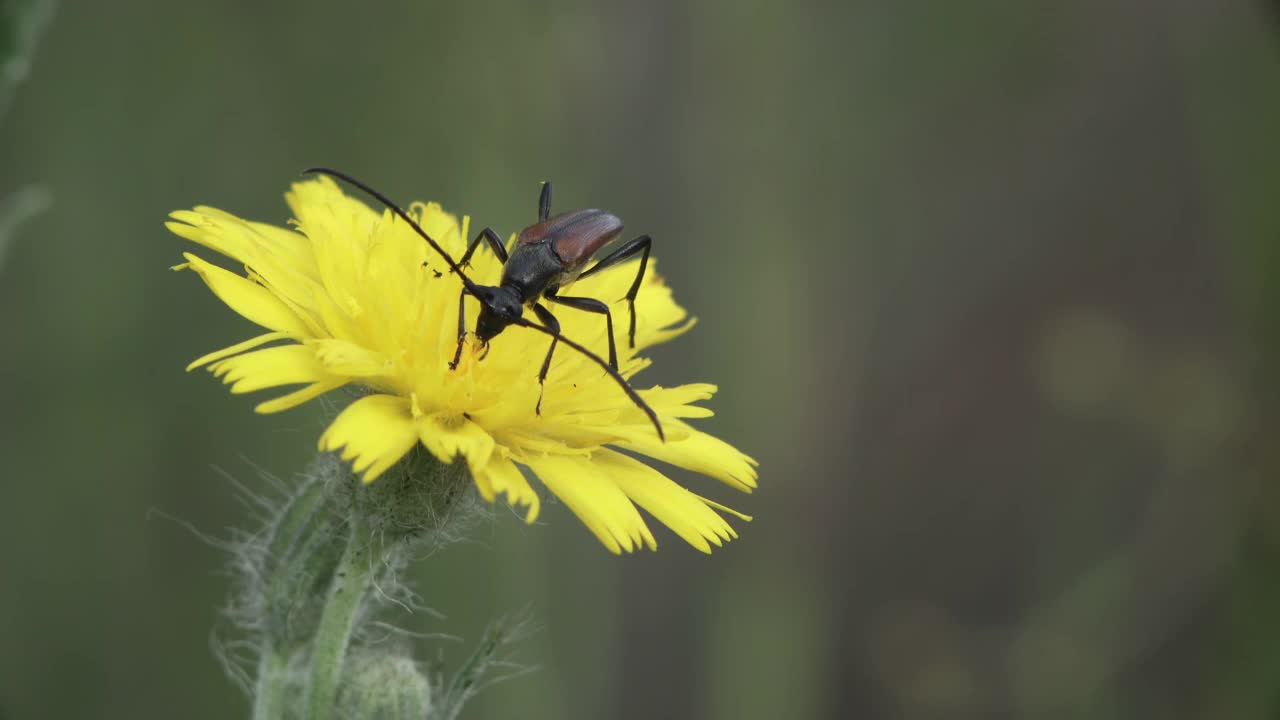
{"x": 531, "y": 269}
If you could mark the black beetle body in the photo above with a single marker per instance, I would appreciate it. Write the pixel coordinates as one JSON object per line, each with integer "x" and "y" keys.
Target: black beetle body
{"x": 547, "y": 256}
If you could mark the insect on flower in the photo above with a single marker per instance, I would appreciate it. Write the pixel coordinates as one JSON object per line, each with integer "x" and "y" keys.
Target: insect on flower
{"x": 353, "y": 297}
{"x": 547, "y": 257}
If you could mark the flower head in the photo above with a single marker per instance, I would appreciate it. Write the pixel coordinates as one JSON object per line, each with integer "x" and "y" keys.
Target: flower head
{"x": 352, "y": 296}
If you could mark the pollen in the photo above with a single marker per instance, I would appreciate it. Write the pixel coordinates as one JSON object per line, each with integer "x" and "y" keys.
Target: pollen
{"x": 352, "y": 296}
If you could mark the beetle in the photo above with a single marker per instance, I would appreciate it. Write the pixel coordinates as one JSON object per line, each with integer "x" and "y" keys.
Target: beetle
{"x": 547, "y": 257}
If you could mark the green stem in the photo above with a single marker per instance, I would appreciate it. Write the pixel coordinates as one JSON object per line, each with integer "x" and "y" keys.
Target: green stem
{"x": 351, "y": 580}
{"x": 268, "y": 696}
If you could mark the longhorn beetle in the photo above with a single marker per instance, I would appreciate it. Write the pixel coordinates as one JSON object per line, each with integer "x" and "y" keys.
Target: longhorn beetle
{"x": 547, "y": 256}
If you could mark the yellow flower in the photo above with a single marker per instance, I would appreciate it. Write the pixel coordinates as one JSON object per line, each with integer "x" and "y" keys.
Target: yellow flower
{"x": 354, "y": 296}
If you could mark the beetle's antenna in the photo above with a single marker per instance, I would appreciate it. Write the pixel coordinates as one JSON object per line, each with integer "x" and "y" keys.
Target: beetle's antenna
{"x": 471, "y": 286}
{"x": 626, "y": 386}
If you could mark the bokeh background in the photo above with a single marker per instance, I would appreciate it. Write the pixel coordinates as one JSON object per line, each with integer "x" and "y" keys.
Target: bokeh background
{"x": 989, "y": 288}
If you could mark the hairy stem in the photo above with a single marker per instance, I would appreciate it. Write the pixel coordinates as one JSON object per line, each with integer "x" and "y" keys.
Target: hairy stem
{"x": 273, "y": 676}
{"x": 351, "y": 580}
{"x": 310, "y": 582}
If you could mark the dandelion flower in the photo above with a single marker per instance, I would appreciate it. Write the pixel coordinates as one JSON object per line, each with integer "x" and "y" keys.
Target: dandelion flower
{"x": 352, "y": 296}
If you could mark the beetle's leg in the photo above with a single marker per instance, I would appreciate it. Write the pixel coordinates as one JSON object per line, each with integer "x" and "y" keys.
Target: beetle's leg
{"x": 549, "y": 321}
{"x": 495, "y": 245}
{"x": 544, "y": 202}
{"x": 462, "y": 327}
{"x": 594, "y": 306}
{"x": 641, "y": 245}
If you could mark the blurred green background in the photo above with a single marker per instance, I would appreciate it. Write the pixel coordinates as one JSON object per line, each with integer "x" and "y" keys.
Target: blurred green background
{"x": 989, "y": 288}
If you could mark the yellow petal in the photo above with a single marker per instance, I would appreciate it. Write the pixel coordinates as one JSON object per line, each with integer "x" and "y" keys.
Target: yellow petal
{"x": 345, "y": 358}
{"x": 321, "y": 197}
{"x": 658, "y": 336}
{"x": 297, "y": 397}
{"x": 675, "y": 402}
{"x": 448, "y": 436}
{"x": 236, "y": 349}
{"x": 725, "y": 509}
{"x": 272, "y": 367}
{"x": 374, "y": 432}
{"x": 196, "y": 226}
{"x": 341, "y": 230}
{"x": 283, "y": 259}
{"x": 692, "y": 450}
{"x": 597, "y": 501}
{"x": 551, "y": 438}
{"x": 249, "y": 299}
{"x": 502, "y": 476}
{"x": 443, "y": 227}
{"x": 673, "y": 506}
{"x": 303, "y": 303}
{"x": 290, "y": 246}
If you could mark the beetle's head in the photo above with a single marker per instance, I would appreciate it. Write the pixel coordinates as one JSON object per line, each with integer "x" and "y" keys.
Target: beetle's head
{"x": 499, "y": 307}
